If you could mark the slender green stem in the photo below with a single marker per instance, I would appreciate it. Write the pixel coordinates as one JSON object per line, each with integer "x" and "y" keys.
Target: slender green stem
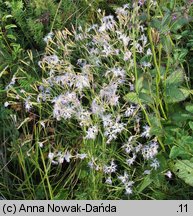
{"x": 46, "y": 176}
{"x": 52, "y": 26}
{"x": 158, "y": 74}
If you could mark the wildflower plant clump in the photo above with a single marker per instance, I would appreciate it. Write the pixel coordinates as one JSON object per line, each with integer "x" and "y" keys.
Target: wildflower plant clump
{"x": 89, "y": 76}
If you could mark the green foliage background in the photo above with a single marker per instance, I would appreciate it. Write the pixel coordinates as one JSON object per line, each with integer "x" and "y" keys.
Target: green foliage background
{"x": 23, "y": 25}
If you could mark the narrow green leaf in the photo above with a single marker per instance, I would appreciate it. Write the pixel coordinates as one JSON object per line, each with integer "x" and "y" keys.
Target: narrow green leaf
{"x": 12, "y": 37}
{"x": 10, "y": 26}
{"x": 145, "y": 183}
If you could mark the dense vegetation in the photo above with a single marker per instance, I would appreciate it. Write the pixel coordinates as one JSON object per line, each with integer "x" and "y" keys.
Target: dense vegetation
{"x": 96, "y": 99}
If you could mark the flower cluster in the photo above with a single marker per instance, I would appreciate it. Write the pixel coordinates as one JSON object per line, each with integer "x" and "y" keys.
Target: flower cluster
{"x": 127, "y": 184}
{"x": 87, "y": 74}
{"x": 65, "y": 105}
{"x": 60, "y": 157}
